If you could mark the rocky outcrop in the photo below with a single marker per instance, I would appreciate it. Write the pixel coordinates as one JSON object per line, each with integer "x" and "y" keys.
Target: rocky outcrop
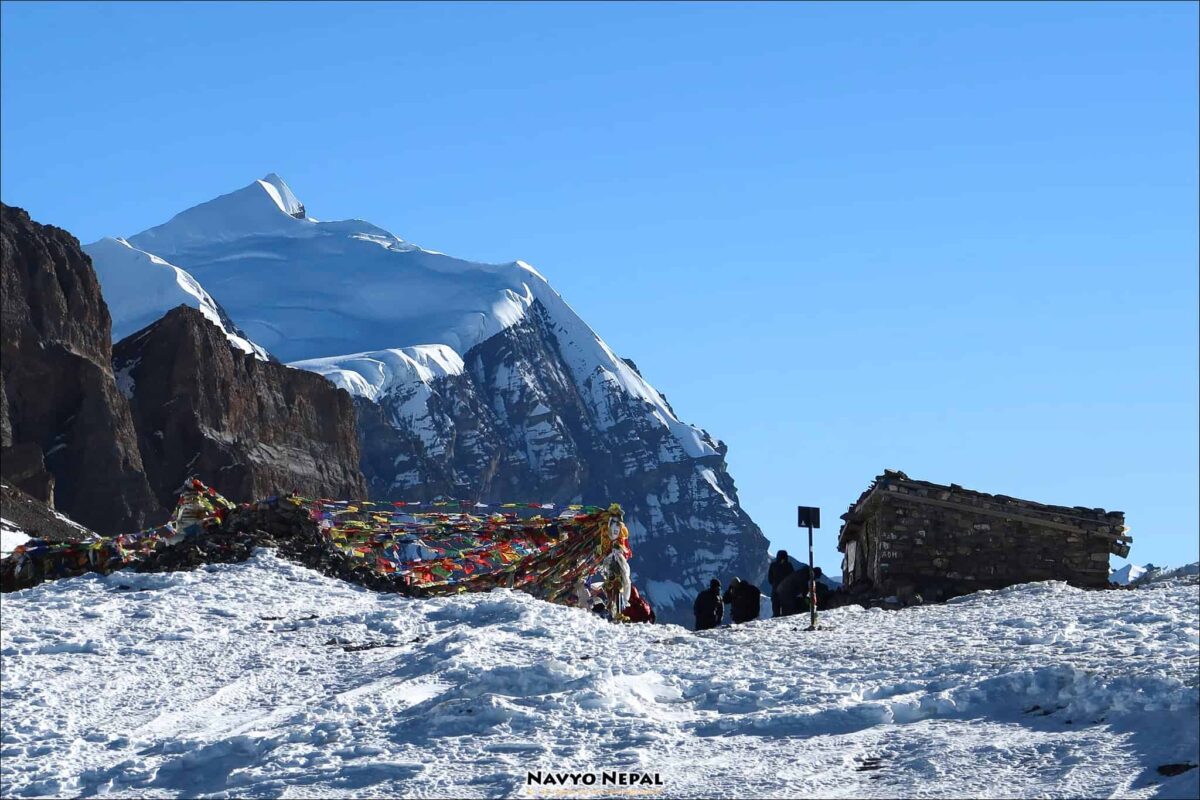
{"x": 518, "y": 425}
{"x": 249, "y": 428}
{"x": 66, "y": 430}
{"x": 35, "y": 519}
{"x": 25, "y": 466}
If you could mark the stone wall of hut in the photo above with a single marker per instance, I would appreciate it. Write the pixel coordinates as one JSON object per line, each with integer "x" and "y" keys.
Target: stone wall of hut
{"x": 940, "y": 542}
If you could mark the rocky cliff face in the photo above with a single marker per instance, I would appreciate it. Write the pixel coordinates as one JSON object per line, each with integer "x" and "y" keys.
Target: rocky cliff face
{"x": 67, "y": 434}
{"x": 34, "y": 518}
{"x": 249, "y": 427}
{"x": 517, "y": 424}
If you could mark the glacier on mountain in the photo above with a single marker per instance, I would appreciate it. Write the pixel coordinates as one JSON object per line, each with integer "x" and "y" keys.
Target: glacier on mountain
{"x": 372, "y": 375}
{"x": 140, "y": 287}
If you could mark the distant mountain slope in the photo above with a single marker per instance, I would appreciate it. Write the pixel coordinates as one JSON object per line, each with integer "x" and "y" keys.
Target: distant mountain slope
{"x": 1154, "y": 575}
{"x": 473, "y": 379}
{"x": 1129, "y": 573}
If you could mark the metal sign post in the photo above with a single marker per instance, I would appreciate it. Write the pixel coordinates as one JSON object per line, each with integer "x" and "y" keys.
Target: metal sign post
{"x": 810, "y": 517}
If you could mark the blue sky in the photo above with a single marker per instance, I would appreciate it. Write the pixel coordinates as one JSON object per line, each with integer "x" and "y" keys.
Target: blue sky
{"x": 957, "y": 240}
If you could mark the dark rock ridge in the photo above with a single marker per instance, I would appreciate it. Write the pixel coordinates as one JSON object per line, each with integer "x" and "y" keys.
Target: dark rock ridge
{"x": 64, "y": 427}
{"x": 36, "y": 519}
{"x": 518, "y": 425}
{"x": 276, "y": 523}
{"x": 250, "y": 428}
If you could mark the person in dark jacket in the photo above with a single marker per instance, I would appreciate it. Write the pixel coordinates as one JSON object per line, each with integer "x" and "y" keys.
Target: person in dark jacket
{"x": 792, "y": 592}
{"x": 708, "y": 608}
{"x": 639, "y": 609}
{"x": 780, "y": 568}
{"x": 743, "y": 599}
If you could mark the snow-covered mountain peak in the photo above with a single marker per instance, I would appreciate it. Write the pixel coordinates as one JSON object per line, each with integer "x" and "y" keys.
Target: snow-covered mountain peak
{"x": 281, "y": 193}
{"x": 1129, "y": 573}
{"x": 529, "y": 268}
{"x": 264, "y": 207}
{"x": 308, "y": 290}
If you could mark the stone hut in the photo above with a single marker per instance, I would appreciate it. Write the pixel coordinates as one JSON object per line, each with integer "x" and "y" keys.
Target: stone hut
{"x": 913, "y": 537}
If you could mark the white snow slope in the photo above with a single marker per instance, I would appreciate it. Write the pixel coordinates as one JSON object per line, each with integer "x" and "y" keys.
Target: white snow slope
{"x": 1155, "y": 574}
{"x": 140, "y": 287}
{"x": 11, "y": 536}
{"x": 306, "y": 289}
{"x": 1128, "y": 573}
{"x": 1135, "y": 575}
{"x": 229, "y": 682}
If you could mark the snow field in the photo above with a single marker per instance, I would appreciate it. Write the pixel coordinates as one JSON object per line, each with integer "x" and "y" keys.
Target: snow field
{"x": 11, "y": 536}
{"x": 248, "y": 680}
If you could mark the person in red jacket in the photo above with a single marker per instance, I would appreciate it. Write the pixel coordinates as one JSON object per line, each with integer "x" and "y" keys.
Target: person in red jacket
{"x": 639, "y": 609}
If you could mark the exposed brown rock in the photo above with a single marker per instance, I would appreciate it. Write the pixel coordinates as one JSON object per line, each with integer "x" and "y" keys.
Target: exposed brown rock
{"x": 60, "y": 400}
{"x": 248, "y": 428}
{"x": 25, "y": 467}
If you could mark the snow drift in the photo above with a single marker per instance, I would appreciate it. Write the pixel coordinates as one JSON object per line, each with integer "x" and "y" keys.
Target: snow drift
{"x": 266, "y": 679}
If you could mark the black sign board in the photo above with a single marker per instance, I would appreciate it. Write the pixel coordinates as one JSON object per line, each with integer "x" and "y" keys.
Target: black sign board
{"x": 808, "y": 516}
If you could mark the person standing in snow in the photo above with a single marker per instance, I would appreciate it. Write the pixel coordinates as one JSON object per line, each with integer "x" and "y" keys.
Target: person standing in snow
{"x": 708, "y": 608}
{"x": 743, "y": 598}
{"x": 780, "y": 568}
{"x": 617, "y": 582}
{"x": 792, "y": 592}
